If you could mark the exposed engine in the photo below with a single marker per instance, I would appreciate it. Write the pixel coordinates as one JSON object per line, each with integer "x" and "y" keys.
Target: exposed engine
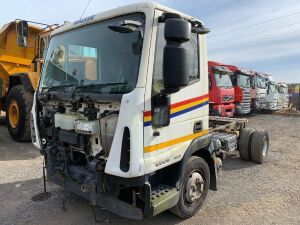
{"x": 76, "y": 142}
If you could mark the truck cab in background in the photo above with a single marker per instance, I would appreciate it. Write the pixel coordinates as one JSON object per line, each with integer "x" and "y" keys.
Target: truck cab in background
{"x": 258, "y": 91}
{"x": 272, "y": 97}
{"x": 221, "y": 91}
{"x": 282, "y": 89}
{"x": 241, "y": 81}
{"x": 280, "y": 99}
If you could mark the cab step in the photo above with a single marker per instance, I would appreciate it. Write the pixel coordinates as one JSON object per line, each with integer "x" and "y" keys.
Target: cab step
{"x": 163, "y": 197}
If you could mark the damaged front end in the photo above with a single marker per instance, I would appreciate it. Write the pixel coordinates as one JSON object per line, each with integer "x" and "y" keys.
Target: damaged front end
{"x": 76, "y": 139}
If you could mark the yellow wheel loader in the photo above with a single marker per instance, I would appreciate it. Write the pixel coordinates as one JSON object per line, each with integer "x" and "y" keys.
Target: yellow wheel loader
{"x": 22, "y": 44}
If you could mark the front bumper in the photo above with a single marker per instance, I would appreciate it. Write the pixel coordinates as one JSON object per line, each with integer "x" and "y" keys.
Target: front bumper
{"x": 259, "y": 103}
{"x": 271, "y": 106}
{"x": 223, "y": 110}
{"x": 106, "y": 201}
{"x": 242, "y": 108}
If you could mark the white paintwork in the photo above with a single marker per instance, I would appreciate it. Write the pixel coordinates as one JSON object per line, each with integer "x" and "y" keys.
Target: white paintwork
{"x": 181, "y": 125}
{"x": 36, "y": 143}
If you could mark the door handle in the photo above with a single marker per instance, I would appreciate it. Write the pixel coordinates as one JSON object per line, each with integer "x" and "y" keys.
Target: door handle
{"x": 198, "y": 126}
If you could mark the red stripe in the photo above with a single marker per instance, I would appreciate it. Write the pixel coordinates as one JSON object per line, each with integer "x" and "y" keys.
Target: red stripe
{"x": 147, "y": 113}
{"x": 188, "y": 101}
{"x": 175, "y": 105}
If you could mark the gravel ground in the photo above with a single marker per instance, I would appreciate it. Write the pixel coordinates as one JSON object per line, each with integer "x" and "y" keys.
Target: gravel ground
{"x": 247, "y": 193}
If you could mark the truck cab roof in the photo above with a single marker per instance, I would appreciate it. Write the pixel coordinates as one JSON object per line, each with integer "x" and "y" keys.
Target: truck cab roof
{"x": 145, "y": 7}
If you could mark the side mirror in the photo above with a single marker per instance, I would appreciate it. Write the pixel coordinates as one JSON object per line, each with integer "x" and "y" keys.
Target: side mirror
{"x": 22, "y": 33}
{"x": 175, "y": 57}
{"x": 160, "y": 110}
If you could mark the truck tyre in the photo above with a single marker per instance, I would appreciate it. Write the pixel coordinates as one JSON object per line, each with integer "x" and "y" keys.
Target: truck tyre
{"x": 194, "y": 188}
{"x": 19, "y": 104}
{"x": 245, "y": 143}
{"x": 259, "y": 146}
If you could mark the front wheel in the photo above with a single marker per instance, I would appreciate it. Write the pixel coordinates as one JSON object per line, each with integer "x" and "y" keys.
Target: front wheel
{"x": 19, "y": 103}
{"x": 194, "y": 188}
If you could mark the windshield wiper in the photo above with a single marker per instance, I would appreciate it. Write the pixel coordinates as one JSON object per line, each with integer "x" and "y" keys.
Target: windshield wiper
{"x": 57, "y": 88}
{"x": 99, "y": 85}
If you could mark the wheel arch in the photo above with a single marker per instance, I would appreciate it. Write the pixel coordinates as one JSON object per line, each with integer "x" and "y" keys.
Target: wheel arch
{"x": 200, "y": 147}
{"x": 21, "y": 79}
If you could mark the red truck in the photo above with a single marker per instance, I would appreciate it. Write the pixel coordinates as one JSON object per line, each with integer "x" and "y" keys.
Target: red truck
{"x": 221, "y": 91}
{"x": 241, "y": 80}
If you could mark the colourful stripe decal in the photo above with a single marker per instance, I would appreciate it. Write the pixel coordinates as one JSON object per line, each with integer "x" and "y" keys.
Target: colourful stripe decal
{"x": 166, "y": 144}
{"x": 180, "y": 108}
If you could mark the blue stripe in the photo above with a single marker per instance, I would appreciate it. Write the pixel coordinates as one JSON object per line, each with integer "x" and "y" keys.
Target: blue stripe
{"x": 146, "y": 124}
{"x": 188, "y": 109}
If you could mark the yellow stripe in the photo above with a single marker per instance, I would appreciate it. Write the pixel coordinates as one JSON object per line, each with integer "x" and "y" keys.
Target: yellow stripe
{"x": 183, "y": 107}
{"x": 174, "y": 142}
{"x": 147, "y": 118}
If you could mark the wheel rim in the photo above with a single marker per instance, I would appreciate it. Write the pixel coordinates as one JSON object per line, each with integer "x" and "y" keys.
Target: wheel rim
{"x": 13, "y": 114}
{"x": 194, "y": 187}
{"x": 265, "y": 149}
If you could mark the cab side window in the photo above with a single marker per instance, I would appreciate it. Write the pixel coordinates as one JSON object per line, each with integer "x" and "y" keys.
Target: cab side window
{"x": 192, "y": 46}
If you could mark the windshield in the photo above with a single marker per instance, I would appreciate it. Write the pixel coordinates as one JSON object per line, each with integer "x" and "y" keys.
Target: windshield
{"x": 282, "y": 89}
{"x": 261, "y": 82}
{"x": 95, "y": 56}
{"x": 222, "y": 80}
{"x": 243, "y": 80}
{"x": 272, "y": 87}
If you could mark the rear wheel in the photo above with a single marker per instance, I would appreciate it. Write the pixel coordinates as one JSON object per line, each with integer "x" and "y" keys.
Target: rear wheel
{"x": 259, "y": 146}
{"x": 245, "y": 143}
{"x": 19, "y": 103}
{"x": 194, "y": 188}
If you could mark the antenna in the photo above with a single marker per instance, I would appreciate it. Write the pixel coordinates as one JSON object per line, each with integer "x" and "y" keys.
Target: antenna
{"x": 89, "y": 1}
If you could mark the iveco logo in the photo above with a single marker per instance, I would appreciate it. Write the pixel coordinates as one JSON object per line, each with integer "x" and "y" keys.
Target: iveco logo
{"x": 84, "y": 20}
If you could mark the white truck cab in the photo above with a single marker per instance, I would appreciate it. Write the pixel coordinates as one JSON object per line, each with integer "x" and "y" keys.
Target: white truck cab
{"x": 272, "y": 97}
{"x": 282, "y": 89}
{"x": 121, "y": 113}
{"x": 258, "y": 91}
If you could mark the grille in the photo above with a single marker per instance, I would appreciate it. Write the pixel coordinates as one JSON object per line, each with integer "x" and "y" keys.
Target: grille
{"x": 247, "y": 96}
{"x": 227, "y": 98}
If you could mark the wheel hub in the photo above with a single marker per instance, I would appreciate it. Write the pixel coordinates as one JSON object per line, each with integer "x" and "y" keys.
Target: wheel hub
{"x": 13, "y": 114}
{"x": 194, "y": 188}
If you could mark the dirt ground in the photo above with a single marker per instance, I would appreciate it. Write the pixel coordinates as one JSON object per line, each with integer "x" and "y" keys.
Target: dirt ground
{"x": 247, "y": 193}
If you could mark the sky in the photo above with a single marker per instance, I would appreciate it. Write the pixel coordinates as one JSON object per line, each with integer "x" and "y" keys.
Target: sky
{"x": 262, "y": 35}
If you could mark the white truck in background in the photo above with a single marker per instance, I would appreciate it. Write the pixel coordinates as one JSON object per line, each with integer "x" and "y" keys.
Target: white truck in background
{"x": 258, "y": 91}
{"x": 282, "y": 89}
{"x": 121, "y": 113}
{"x": 272, "y": 97}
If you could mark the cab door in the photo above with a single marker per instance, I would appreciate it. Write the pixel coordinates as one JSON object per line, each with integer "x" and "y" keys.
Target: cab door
{"x": 188, "y": 115}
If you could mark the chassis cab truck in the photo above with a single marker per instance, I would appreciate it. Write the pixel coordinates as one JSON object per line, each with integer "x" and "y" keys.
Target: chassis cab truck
{"x": 121, "y": 113}
{"x": 258, "y": 91}
{"x": 282, "y": 89}
{"x": 272, "y": 97}
{"x": 221, "y": 91}
{"x": 241, "y": 80}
